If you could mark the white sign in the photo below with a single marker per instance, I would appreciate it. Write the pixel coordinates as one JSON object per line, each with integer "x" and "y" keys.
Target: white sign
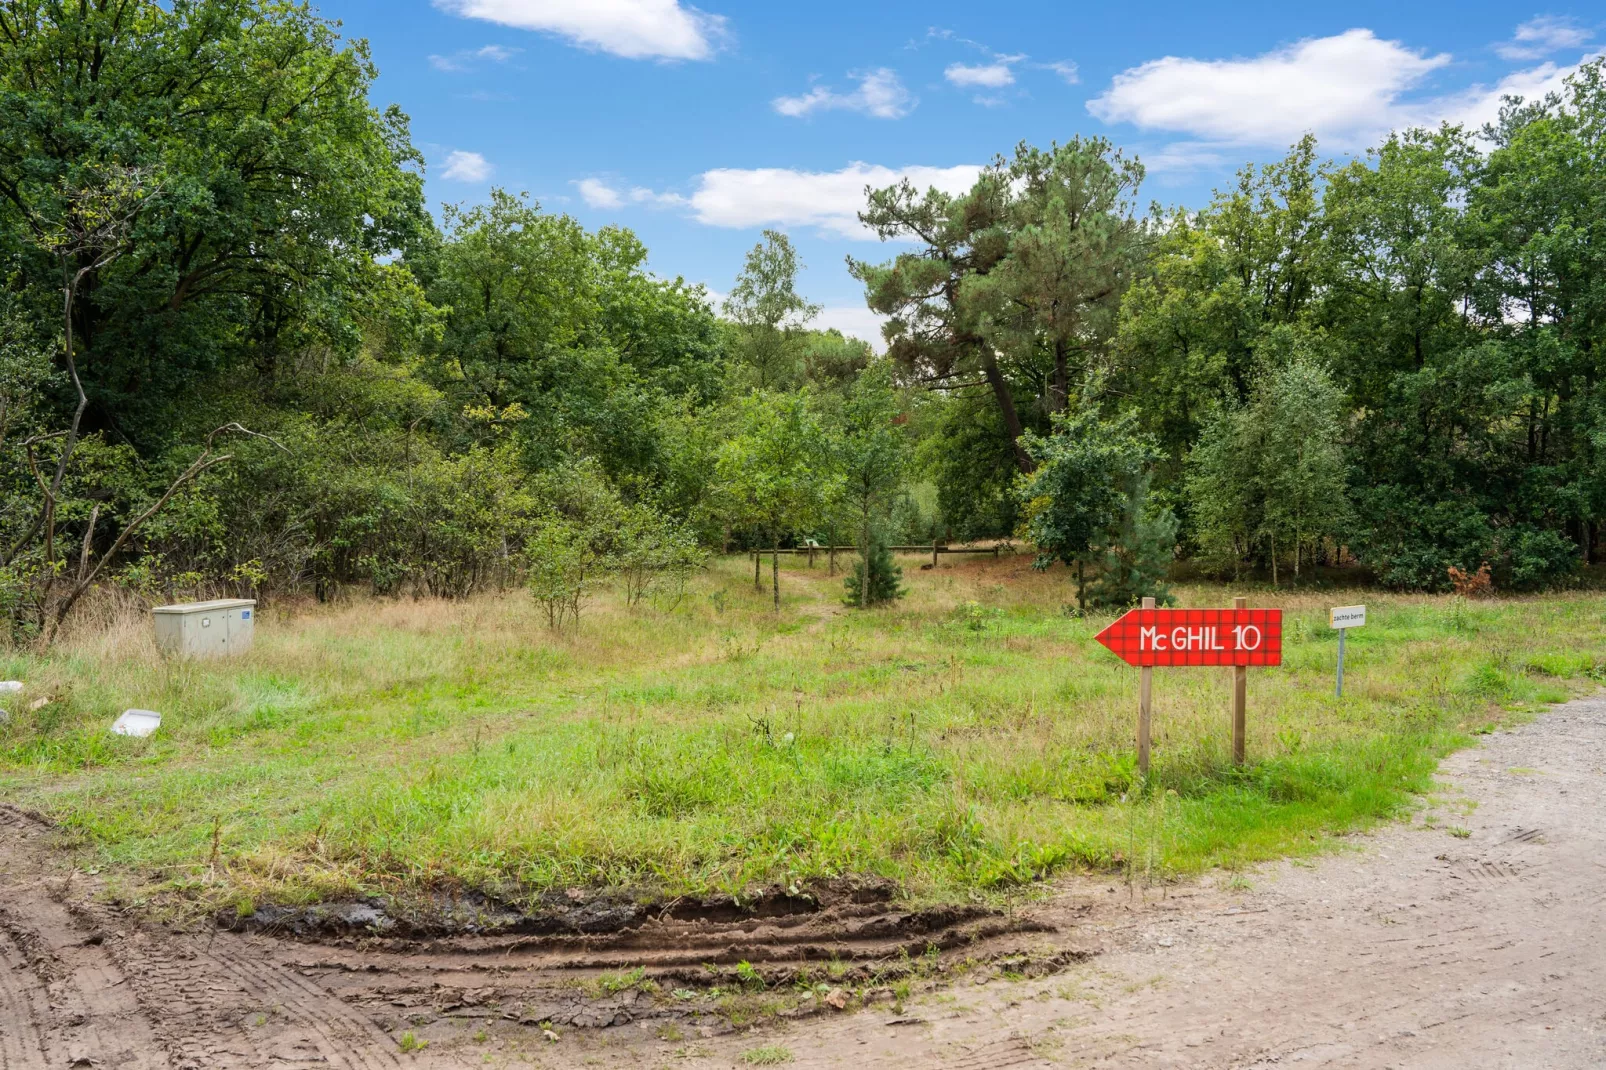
{"x": 1348, "y": 616}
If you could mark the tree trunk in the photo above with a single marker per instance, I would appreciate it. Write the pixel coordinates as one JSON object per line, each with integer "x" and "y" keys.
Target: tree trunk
{"x": 1273, "y": 539}
{"x": 864, "y": 579}
{"x": 775, "y": 573}
{"x": 1081, "y": 586}
{"x": 1006, "y": 407}
{"x": 758, "y": 577}
{"x": 1059, "y": 391}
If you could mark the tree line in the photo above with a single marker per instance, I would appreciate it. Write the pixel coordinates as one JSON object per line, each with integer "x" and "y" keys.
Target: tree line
{"x": 239, "y": 354}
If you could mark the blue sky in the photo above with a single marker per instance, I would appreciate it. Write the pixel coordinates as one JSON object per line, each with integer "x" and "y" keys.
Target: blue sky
{"x": 698, "y": 127}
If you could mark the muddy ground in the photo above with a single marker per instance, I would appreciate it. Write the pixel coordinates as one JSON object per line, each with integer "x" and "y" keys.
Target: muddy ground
{"x": 1474, "y": 937}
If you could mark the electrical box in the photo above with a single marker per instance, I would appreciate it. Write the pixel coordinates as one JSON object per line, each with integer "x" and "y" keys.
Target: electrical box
{"x": 206, "y": 629}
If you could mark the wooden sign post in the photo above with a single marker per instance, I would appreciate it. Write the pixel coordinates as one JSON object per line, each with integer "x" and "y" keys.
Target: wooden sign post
{"x": 1237, "y": 637}
{"x": 1240, "y": 694}
{"x": 1145, "y": 699}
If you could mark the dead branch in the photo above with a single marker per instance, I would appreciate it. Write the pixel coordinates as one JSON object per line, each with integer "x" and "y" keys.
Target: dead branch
{"x": 86, "y": 579}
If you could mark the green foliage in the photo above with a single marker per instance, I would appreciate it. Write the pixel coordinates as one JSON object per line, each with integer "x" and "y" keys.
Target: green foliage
{"x": 275, "y": 185}
{"x": 1088, "y": 502}
{"x": 656, "y": 556}
{"x": 774, "y": 475}
{"x": 871, "y": 453}
{"x": 1272, "y": 472}
{"x": 967, "y": 454}
{"x": 883, "y": 584}
{"x": 1137, "y": 551}
{"x": 577, "y": 542}
{"x": 769, "y": 315}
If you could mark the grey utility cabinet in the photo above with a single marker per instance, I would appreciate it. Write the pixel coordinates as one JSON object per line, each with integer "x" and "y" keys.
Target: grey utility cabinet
{"x": 206, "y": 629}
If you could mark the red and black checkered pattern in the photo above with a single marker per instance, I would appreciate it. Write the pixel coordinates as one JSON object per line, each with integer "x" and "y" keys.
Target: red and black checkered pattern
{"x": 1197, "y": 637}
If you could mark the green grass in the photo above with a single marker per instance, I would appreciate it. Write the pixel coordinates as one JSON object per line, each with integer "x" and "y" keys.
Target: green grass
{"x": 391, "y": 746}
{"x": 768, "y": 1055}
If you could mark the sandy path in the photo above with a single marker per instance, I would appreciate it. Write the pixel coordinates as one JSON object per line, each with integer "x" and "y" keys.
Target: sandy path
{"x": 1421, "y": 949}
{"x": 1418, "y": 949}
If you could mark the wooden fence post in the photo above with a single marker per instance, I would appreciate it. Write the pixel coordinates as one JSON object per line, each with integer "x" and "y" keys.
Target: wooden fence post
{"x": 1145, "y": 707}
{"x": 933, "y": 553}
{"x": 1240, "y": 697}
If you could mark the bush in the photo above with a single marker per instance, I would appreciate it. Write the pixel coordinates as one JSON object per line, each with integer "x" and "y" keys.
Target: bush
{"x": 1410, "y": 542}
{"x": 1138, "y": 554}
{"x": 886, "y": 578}
{"x": 1528, "y": 559}
{"x": 655, "y": 556}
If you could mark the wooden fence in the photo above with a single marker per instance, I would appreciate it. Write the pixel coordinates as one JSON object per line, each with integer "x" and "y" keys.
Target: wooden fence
{"x": 932, "y": 548}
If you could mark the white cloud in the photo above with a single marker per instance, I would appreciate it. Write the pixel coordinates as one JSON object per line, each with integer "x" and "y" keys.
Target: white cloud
{"x": 598, "y": 194}
{"x": 1346, "y": 88}
{"x": 1181, "y": 157}
{"x": 466, "y": 167}
{"x": 880, "y": 94}
{"x": 982, "y": 76}
{"x": 829, "y": 200}
{"x": 855, "y": 321}
{"x": 652, "y": 199}
{"x": 1539, "y": 37}
{"x": 464, "y": 60}
{"x": 1481, "y": 104}
{"x": 780, "y": 197}
{"x": 1066, "y": 70}
{"x": 635, "y": 29}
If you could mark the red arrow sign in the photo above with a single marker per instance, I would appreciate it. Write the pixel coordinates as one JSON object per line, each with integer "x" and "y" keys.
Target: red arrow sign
{"x": 1197, "y": 637}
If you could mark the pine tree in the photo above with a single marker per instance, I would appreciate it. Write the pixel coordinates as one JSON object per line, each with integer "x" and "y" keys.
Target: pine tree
{"x": 886, "y": 578}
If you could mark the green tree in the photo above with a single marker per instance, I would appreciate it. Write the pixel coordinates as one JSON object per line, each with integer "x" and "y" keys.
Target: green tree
{"x": 1215, "y": 282}
{"x": 770, "y": 314}
{"x": 934, "y": 335}
{"x": 1138, "y": 548}
{"x": 1079, "y": 500}
{"x": 279, "y": 183}
{"x": 1051, "y": 302}
{"x": 872, "y": 456}
{"x": 876, "y": 578}
{"x": 774, "y": 475}
{"x": 1274, "y": 469}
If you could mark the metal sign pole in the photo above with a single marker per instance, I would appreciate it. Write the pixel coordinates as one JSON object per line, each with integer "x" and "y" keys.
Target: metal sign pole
{"x": 1342, "y": 619}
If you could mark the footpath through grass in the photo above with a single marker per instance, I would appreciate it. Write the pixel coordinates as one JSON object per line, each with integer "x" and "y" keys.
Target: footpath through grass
{"x": 972, "y": 738}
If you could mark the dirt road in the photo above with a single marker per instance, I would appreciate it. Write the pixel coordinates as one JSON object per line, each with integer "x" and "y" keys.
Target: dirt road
{"x": 1476, "y": 940}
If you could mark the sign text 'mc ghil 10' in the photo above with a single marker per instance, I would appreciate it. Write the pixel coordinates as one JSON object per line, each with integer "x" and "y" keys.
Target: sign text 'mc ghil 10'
{"x": 1239, "y": 637}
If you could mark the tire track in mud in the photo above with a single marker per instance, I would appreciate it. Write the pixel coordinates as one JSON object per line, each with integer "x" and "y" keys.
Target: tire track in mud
{"x": 87, "y": 981}
{"x": 71, "y": 995}
{"x": 82, "y": 986}
{"x": 22, "y": 1046}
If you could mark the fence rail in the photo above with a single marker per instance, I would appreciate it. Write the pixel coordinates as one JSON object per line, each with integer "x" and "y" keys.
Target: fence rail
{"x": 934, "y": 549}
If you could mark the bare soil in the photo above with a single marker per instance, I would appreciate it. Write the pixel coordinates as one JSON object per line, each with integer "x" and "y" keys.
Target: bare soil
{"x": 1472, "y": 937}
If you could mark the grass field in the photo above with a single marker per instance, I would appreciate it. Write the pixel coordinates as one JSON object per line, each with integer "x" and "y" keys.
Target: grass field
{"x": 970, "y": 740}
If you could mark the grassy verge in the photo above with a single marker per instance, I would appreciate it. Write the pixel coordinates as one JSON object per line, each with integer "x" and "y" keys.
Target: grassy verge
{"x": 972, "y": 738}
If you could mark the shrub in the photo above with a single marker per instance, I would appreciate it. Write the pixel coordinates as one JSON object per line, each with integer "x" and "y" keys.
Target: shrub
{"x": 886, "y": 578}
{"x": 1530, "y": 559}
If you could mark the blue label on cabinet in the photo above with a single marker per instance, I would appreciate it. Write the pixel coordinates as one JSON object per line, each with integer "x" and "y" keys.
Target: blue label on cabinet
{"x": 245, "y": 614}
